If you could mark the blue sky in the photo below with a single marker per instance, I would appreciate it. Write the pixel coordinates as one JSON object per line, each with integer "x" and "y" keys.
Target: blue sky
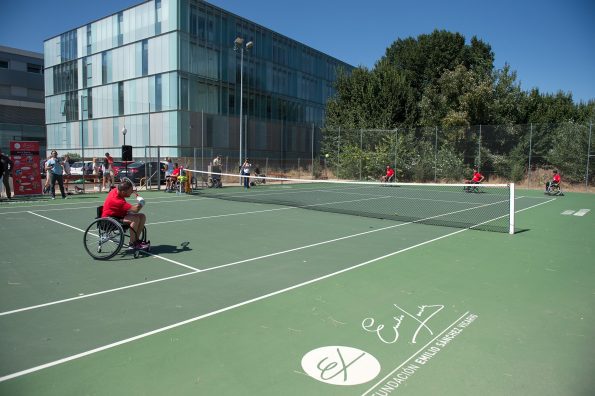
{"x": 550, "y": 43}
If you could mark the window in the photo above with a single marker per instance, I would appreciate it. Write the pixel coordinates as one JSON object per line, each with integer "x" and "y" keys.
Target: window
{"x": 184, "y": 94}
{"x": 145, "y": 57}
{"x": 68, "y": 45}
{"x": 120, "y": 28}
{"x": 33, "y": 68}
{"x": 89, "y": 40}
{"x": 89, "y": 100}
{"x": 193, "y": 20}
{"x": 158, "y": 17}
{"x": 104, "y": 68}
{"x": 158, "y": 93}
{"x": 65, "y": 77}
{"x": 120, "y": 98}
{"x": 70, "y": 106}
{"x": 87, "y": 72}
{"x": 3, "y": 64}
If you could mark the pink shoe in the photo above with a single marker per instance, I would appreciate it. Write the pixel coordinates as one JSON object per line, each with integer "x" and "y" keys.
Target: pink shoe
{"x": 142, "y": 246}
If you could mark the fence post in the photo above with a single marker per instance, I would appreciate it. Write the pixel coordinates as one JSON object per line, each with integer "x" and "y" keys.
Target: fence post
{"x": 530, "y": 149}
{"x": 436, "y": 154}
{"x": 338, "y": 151}
{"x": 159, "y": 173}
{"x": 588, "y": 157}
{"x": 396, "y": 147}
{"x": 478, "y": 164}
{"x": 312, "y": 152}
{"x": 202, "y": 143}
{"x": 361, "y": 150}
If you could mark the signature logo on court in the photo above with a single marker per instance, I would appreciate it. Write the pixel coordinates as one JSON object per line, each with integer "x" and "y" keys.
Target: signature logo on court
{"x": 340, "y": 365}
{"x": 391, "y": 334}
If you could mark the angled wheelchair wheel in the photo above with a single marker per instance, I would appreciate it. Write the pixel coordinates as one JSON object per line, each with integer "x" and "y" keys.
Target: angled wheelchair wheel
{"x": 103, "y": 238}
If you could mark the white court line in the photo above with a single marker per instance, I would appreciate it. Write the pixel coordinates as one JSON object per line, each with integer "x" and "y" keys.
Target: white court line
{"x": 206, "y": 269}
{"x": 95, "y": 294}
{"x": 212, "y": 313}
{"x": 415, "y": 354}
{"x": 149, "y": 253}
{"x": 152, "y": 200}
{"x": 582, "y": 212}
{"x": 235, "y": 262}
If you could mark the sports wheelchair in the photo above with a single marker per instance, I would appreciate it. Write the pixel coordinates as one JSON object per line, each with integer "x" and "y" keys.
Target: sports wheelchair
{"x": 552, "y": 188}
{"x": 473, "y": 188}
{"x": 214, "y": 181}
{"x": 105, "y": 237}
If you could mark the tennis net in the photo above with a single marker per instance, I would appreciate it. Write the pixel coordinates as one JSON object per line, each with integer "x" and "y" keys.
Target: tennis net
{"x": 487, "y": 207}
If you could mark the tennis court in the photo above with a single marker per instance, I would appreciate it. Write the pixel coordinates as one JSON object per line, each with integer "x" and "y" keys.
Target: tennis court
{"x": 240, "y": 296}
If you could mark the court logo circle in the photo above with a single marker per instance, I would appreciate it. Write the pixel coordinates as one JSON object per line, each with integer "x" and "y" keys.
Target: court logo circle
{"x": 340, "y": 365}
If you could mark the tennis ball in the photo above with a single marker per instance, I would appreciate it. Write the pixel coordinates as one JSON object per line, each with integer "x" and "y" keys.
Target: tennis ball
{"x": 326, "y": 155}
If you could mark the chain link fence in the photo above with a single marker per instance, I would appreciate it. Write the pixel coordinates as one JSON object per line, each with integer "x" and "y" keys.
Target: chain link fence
{"x": 524, "y": 154}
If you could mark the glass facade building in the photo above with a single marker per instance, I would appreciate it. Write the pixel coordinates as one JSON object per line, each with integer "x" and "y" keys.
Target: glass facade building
{"x": 168, "y": 72}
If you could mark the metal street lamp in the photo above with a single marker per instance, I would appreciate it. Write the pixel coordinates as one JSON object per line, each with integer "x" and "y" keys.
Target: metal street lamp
{"x": 239, "y": 45}
{"x": 124, "y": 131}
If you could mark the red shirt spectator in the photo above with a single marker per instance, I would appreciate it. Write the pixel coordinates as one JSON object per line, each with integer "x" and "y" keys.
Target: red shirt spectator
{"x": 115, "y": 205}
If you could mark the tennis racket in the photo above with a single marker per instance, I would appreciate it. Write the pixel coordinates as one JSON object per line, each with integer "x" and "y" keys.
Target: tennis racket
{"x": 134, "y": 188}
{"x": 140, "y": 199}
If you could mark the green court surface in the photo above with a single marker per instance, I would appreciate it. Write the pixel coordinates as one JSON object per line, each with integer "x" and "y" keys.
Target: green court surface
{"x": 273, "y": 300}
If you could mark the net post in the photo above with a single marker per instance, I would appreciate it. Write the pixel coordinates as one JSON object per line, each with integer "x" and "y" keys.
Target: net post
{"x": 511, "y": 213}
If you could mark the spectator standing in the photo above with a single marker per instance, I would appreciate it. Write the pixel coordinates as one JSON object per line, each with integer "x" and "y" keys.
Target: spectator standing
{"x": 6, "y": 171}
{"x": 108, "y": 172}
{"x": 66, "y": 165}
{"x": 97, "y": 172}
{"x": 46, "y": 187}
{"x": 245, "y": 171}
{"x": 56, "y": 168}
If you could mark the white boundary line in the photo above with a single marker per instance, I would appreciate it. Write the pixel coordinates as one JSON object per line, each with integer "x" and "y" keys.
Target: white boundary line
{"x": 149, "y": 253}
{"x": 152, "y": 200}
{"x": 219, "y": 266}
{"x": 191, "y": 320}
{"x": 415, "y": 354}
{"x": 212, "y": 313}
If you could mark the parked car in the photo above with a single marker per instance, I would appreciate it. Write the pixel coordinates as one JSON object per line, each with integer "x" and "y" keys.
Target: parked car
{"x": 137, "y": 170}
{"x": 120, "y": 164}
{"x": 77, "y": 168}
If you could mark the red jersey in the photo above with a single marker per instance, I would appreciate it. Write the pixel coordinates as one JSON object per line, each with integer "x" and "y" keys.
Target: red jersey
{"x": 176, "y": 172}
{"x": 389, "y": 172}
{"x": 477, "y": 176}
{"x": 115, "y": 205}
{"x": 556, "y": 178}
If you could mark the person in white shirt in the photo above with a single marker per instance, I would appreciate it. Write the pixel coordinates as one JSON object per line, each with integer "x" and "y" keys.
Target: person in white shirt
{"x": 56, "y": 168}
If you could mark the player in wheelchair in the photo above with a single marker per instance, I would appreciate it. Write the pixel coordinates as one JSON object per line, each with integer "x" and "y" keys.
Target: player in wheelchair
{"x": 553, "y": 187}
{"x": 214, "y": 180}
{"x": 258, "y": 177}
{"x": 478, "y": 178}
{"x": 104, "y": 237}
{"x": 389, "y": 176}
